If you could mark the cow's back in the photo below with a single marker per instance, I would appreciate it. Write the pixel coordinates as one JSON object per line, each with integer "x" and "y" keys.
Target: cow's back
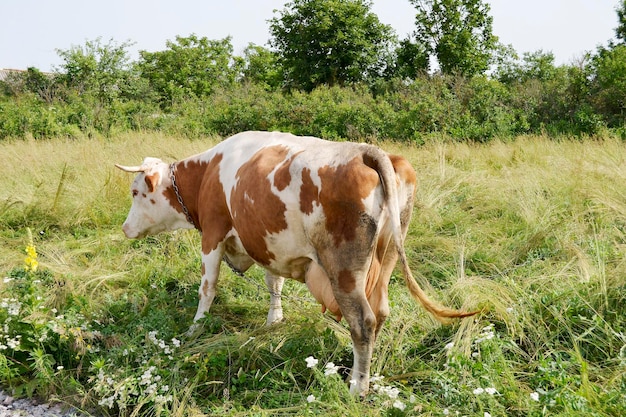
{"x": 288, "y": 195}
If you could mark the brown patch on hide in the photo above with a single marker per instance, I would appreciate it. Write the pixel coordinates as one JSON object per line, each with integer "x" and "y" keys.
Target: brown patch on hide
{"x": 203, "y": 194}
{"x": 346, "y": 281}
{"x": 205, "y": 288}
{"x": 403, "y": 169}
{"x": 282, "y": 176}
{"x": 309, "y": 192}
{"x": 257, "y": 211}
{"x": 342, "y": 192}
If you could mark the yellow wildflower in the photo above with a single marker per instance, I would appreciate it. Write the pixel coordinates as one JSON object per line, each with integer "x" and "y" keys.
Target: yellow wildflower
{"x": 30, "y": 262}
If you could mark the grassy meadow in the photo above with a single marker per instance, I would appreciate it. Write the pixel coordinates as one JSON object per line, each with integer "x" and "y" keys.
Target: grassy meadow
{"x": 531, "y": 231}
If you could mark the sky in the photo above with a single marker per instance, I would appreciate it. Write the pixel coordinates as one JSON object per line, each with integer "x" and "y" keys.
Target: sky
{"x": 32, "y": 31}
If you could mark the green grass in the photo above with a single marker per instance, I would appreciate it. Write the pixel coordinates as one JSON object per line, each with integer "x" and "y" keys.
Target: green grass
{"x": 531, "y": 231}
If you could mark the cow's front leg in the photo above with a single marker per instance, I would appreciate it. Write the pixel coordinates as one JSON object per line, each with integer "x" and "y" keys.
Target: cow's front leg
{"x": 210, "y": 272}
{"x": 275, "y": 287}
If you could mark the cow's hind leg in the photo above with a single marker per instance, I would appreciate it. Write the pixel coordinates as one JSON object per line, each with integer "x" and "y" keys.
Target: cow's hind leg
{"x": 378, "y": 299}
{"x": 363, "y": 324}
{"x": 275, "y": 287}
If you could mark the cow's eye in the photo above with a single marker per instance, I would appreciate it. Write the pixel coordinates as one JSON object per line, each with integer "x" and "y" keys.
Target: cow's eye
{"x": 134, "y": 193}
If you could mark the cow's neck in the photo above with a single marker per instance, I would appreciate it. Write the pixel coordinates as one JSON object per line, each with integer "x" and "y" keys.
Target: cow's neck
{"x": 184, "y": 186}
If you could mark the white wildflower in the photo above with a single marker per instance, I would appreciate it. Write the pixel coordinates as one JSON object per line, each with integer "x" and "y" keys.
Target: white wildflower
{"x": 399, "y": 405}
{"x": 175, "y": 342}
{"x": 310, "y": 398}
{"x": 107, "y": 401}
{"x": 491, "y": 391}
{"x": 12, "y": 305}
{"x": 152, "y": 388}
{"x": 331, "y": 369}
{"x": 446, "y": 412}
{"x": 487, "y": 414}
{"x": 376, "y": 378}
{"x": 391, "y": 392}
{"x": 449, "y": 346}
{"x": 311, "y": 362}
{"x": 146, "y": 377}
{"x": 13, "y": 343}
{"x": 478, "y": 391}
{"x": 162, "y": 399}
{"x": 534, "y": 396}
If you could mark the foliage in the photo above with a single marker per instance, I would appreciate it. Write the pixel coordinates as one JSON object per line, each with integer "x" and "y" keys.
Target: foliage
{"x": 101, "y": 70}
{"x": 38, "y": 341}
{"x": 412, "y": 59}
{"x": 458, "y": 33}
{"x": 44, "y": 86}
{"x": 261, "y": 67}
{"x": 335, "y": 42}
{"x": 537, "y": 66}
{"x": 350, "y": 80}
{"x": 191, "y": 66}
{"x": 620, "y": 30}
{"x": 609, "y": 83}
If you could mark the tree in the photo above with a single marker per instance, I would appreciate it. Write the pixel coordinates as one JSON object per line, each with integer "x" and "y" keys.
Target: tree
{"x": 411, "y": 59}
{"x": 103, "y": 70}
{"x": 620, "y": 31}
{"x": 537, "y": 65}
{"x": 189, "y": 67}
{"x": 608, "y": 83}
{"x": 334, "y": 42}
{"x": 458, "y": 33}
{"x": 260, "y": 66}
{"x": 45, "y": 86}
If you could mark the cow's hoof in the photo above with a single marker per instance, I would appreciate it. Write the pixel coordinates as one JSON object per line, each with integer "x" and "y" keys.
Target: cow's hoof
{"x": 194, "y": 329}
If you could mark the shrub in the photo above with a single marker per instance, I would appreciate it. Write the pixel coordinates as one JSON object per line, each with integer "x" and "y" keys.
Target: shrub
{"x": 38, "y": 341}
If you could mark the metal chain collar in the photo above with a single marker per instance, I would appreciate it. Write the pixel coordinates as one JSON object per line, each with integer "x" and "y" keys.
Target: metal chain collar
{"x": 178, "y": 197}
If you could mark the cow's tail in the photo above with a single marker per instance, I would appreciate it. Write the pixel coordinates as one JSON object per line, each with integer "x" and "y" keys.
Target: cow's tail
{"x": 382, "y": 164}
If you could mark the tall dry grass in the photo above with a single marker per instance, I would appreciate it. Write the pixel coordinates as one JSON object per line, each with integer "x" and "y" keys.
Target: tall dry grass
{"x": 531, "y": 231}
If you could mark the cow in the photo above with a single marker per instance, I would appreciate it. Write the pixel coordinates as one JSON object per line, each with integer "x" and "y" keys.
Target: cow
{"x": 332, "y": 215}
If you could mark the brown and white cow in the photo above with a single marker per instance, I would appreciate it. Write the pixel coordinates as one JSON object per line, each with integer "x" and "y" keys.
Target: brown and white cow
{"x": 330, "y": 214}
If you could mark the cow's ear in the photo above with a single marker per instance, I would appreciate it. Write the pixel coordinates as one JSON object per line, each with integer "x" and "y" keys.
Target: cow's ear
{"x": 152, "y": 181}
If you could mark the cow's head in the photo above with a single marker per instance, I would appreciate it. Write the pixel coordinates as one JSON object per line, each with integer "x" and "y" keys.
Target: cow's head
{"x": 151, "y": 211}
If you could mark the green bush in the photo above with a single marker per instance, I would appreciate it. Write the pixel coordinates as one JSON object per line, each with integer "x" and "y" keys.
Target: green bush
{"x": 476, "y": 109}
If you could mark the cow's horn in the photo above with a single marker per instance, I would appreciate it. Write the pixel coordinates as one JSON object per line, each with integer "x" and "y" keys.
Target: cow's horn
{"x": 131, "y": 169}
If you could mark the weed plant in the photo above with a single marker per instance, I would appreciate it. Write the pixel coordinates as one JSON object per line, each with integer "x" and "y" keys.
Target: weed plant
{"x": 531, "y": 231}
